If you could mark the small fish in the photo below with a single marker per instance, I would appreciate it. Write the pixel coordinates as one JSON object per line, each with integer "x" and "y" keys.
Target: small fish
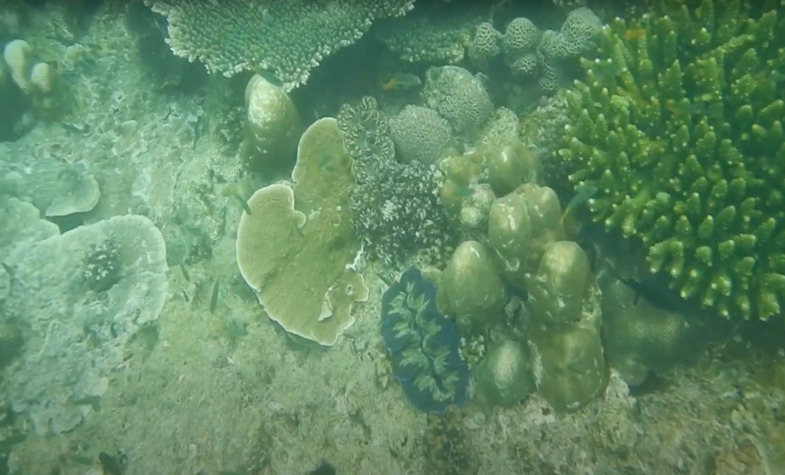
{"x": 185, "y": 272}
{"x": 214, "y": 297}
{"x": 93, "y": 401}
{"x": 243, "y": 203}
{"x": 635, "y": 34}
{"x": 385, "y": 279}
{"x": 73, "y": 128}
{"x": 109, "y": 464}
{"x": 713, "y": 109}
{"x": 8, "y": 269}
{"x": 270, "y": 77}
{"x": 584, "y": 193}
{"x": 400, "y": 81}
{"x": 324, "y": 468}
{"x": 656, "y": 296}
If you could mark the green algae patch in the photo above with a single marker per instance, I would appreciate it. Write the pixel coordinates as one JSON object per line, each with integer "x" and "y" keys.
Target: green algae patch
{"x": 296, "y": 248}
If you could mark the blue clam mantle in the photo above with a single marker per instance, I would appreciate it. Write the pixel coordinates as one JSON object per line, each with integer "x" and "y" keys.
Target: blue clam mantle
{"x": 423, "y": 345}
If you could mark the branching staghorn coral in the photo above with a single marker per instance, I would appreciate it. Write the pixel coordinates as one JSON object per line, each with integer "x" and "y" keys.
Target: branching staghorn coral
{"x": 679, "y": 125}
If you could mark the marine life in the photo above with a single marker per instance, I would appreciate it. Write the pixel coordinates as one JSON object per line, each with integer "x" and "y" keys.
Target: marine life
{"x": 185, "y": 272}
{"x": 243, "y": 202}
{"x": 111, "y": 465}
{"x": 635, "y": 34}
{"x": 399, "y": 81}
{"x": 712, "y": 109}
{"x": 214, "y": 297}
{"x": 584, "y": 194}
{"x": 423, "y": 345}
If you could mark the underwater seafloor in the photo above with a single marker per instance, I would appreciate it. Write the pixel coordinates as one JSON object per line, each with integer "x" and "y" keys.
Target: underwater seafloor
{"x": 218, "y": 388}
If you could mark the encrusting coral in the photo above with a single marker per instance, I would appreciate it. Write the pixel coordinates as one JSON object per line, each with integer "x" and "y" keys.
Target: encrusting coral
{"x": 679, "y": 126}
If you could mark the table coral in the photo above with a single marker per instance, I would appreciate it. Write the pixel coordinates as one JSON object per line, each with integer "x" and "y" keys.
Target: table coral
{"x": 679, "y": 125}
{"x": 289, "y": 38}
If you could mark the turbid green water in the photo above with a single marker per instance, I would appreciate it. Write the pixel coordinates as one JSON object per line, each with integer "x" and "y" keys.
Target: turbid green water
{"x": 205, "y": 274}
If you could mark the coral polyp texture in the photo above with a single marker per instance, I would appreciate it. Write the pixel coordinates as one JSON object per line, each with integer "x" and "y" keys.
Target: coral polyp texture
{"x": 395, "y": 208}
{"x": 679, "y": 125}
{"x": 289, "y": 38}
{"x": 423, "y": 345}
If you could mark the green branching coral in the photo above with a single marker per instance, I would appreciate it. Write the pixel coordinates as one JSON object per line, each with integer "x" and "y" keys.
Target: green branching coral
{"x": 288, "y": 37}
{"x": 679, "y": 125}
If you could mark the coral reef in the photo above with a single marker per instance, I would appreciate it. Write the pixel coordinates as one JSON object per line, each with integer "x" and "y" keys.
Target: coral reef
{"x": 471, "y": 290}
{"x": 366, "y": 135}
{"x": 484, "y": 45}
{"x": 31, "y": 89}
{"x": 273, "y": 126}
{"x": 532, "y": 54}
{"x": 679, "y": 126}
{"x": 395, "y": 207}
{"x": 496, "y": 164}
{"x": 76, "y": 325}
{"x": 521, "y": 225}
{"x": 517, "y": 246}
{"x": 448, "y": 445}
{"x": 296, "y": 247}
{"x": 505, "y": 375}
{"x": 287, "y": 38}
{"x": 639, "y": 337}
{"x": 433, "y": 34}
{"x": 102, "y": 267}
{"x": 57, "y": 189}
{"x": 214, "y": 386}
{"x": 459, "y": 97}
{"x": 575, "y": 37}
{"x": 565, "y": 331}
{"x": 423, "y": 345}
{"x": 419, "y": 134}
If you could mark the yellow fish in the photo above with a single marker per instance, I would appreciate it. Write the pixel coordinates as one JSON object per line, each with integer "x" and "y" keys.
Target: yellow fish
{"x": 583, "y": 194}
{"x": 401, "y": 81}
